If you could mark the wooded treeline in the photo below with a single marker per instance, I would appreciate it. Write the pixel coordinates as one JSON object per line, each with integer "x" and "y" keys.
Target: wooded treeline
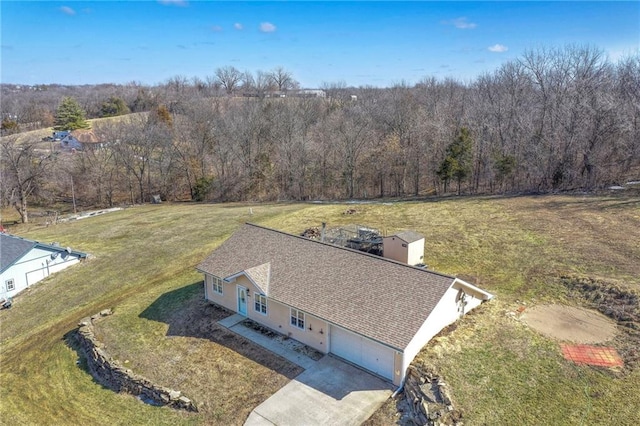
{"x": 554, "y": 119}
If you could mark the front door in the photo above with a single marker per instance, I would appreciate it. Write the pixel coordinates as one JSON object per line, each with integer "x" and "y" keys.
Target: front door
{"x": 242, "y": 300}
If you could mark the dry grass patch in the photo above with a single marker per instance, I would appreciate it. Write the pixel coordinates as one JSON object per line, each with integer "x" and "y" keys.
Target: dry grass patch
{"x": 175, "y": 341}
{"x": 501, "y": 372}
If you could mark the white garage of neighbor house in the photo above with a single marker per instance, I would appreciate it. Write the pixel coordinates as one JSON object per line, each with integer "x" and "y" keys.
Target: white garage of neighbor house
{"x": 25, "y": 262}
{"x": 374, "y": 312}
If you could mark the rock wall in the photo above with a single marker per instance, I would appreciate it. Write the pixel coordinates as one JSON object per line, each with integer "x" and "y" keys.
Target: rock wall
{"x": 111, "y": 374}
{"x": 428, "y": 399}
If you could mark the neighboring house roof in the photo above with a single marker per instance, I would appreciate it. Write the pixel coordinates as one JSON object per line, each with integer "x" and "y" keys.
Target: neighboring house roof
{"x": 408, "y": 236}
{"x": 13, "y": 248}
{"x": 376, "y": 297}
{"x": 85, "y": 136}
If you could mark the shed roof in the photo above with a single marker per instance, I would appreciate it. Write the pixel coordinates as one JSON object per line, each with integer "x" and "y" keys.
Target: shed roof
{"x": 380, "y": 298}
{"x": 408, "y": 236}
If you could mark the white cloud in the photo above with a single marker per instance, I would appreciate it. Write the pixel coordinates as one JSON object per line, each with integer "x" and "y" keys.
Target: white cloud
{"x": 267, "y": 27}
{"x": 498, "y": 48}
{"x": 216, "y": 28}
{"x": 174, "y": 2}
{"x": 67, "y": 10}
{"x": 462, "y": 23}
{"x": 238, "y": 26}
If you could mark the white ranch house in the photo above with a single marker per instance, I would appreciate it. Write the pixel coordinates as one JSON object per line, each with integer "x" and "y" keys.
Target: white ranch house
{"x": 24, "y": 262}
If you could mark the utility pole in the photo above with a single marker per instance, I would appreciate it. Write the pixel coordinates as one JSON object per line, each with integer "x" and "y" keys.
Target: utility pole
{"x": 73, "y": 196}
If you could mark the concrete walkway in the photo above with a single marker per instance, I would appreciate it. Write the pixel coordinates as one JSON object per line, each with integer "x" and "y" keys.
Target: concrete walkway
{"x": 330, "y": 393}
{"x": 233, "y": 323}
{"x": 232, "y": 320}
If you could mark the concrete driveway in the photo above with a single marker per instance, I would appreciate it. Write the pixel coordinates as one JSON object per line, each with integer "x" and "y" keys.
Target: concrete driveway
{"x": 331, "y": 392}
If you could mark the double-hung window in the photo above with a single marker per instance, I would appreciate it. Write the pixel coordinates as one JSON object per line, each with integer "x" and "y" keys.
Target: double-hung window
{"x": 297, "y": 318}
{"x": 217, "y": 285}
{"x": 260, "y": 303}
{"x": 10, "y": 284}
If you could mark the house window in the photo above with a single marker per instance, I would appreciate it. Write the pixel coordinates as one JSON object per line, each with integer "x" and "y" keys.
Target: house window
{"x": 10, "y": 284}
{"x": 297, "y": 318}
{"x": 217, "y": 285}
{"x": 260, "y": 303}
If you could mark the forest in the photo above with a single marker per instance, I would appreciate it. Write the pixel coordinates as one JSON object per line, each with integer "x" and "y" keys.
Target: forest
{"x": 554, "y": 119}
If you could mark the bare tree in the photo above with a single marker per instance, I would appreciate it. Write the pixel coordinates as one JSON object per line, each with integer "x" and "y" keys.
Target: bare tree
{"x": 282, "y": 79}
{"x": 23, "y": 168}
{"x": 229, "y": 78}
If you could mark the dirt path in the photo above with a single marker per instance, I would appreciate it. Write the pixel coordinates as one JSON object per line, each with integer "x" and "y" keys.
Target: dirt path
{"x": 570, "y": 324}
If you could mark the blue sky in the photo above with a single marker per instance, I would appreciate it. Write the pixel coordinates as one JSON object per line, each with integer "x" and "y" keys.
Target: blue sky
{"x": 358, "y": 43}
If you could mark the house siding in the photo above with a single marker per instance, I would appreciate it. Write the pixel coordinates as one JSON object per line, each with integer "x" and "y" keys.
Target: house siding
{"x": 446, "y": 312}
{"x": 227, "y": 299}
{"x": 398, "y": 370}
{"x": 278, "y": 314}
{"x": 34, "y": 266}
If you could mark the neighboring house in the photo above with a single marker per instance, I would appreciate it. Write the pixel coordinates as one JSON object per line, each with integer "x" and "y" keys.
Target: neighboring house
{"x": 374, "y": 312}
{"x": 24, "y": 262}
{"x": 59, "y": 135}
{"x": 309, "y": 93}
{"x": 406, "y": 247}
{"x": 78, "y": 140}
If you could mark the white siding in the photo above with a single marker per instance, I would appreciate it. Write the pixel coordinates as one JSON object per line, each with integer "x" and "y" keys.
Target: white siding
{"x": 34, "y": 266}
{"x": 364, "y": 352}
{"x": 416, "y": 252}
{"x": 446, "y": 312}
{"x": 397, "y": 249}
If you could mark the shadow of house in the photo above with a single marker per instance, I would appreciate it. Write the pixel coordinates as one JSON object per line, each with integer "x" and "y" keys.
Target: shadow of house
{"x": 188, "y": 314}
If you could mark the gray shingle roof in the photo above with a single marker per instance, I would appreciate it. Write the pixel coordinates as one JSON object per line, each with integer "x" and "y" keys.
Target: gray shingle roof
{"x": 408, "y": 236}
{"x": 375, "y": 297}
{"x": 13, "y": 248}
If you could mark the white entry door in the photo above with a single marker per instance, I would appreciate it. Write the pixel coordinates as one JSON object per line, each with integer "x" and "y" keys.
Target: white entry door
{"x": 242, "y": 300}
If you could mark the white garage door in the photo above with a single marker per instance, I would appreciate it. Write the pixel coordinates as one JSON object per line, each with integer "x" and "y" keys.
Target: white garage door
{"x": 361, "y": 351}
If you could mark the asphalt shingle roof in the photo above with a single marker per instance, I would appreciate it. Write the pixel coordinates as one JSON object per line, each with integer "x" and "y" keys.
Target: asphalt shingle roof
{"x": 408, "y": 236}
{"x": 13, "y": 248}
{"x": 379, "y": 298}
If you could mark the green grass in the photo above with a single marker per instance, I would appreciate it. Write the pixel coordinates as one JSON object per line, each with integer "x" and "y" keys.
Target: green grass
{"x": 500, "y": 371}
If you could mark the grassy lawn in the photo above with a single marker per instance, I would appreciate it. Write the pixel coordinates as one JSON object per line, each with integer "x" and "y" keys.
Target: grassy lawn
{"x": 500, "y": 372}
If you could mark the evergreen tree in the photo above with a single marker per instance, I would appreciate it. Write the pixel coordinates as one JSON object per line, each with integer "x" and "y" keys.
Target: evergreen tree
{"x": 114, "y": 106}
{"x": 457, "y": 163}
{"x": 70, "y": 116}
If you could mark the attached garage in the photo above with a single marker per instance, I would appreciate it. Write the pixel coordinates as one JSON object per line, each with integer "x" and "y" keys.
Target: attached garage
{"x": 361, "y": 351}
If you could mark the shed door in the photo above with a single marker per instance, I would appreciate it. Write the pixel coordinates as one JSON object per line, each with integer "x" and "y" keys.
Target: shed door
{"x": 361, "y": 351}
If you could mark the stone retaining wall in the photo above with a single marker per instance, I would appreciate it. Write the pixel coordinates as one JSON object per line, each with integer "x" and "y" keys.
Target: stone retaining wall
{"x": 428, "y": 399}
{"x": 111, "y": 374}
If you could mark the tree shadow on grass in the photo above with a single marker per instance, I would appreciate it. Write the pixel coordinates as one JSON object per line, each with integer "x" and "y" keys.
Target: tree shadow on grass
{"x": 188, "y": 314}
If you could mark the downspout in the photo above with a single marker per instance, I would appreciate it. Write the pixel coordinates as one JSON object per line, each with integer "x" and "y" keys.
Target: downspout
{"x": 400, "y": 388}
